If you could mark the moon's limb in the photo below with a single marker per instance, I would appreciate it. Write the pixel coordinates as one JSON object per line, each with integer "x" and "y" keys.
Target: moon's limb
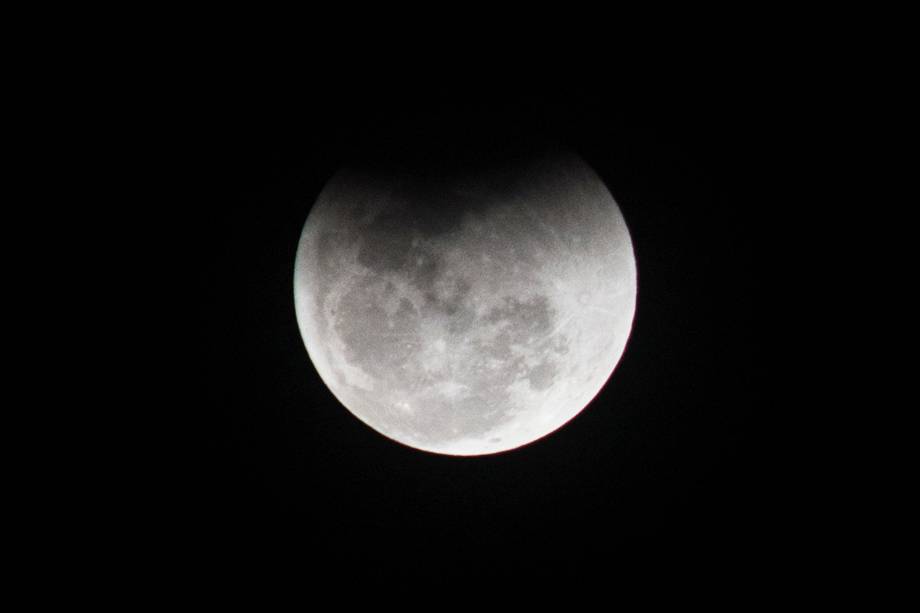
{"x": 471, "y": 316}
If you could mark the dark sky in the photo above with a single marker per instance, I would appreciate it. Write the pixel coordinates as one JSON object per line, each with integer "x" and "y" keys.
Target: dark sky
{"x": 667, "y": 466}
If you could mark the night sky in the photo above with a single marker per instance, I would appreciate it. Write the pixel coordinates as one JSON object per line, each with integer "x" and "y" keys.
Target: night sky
{"x": 667, "y": 466}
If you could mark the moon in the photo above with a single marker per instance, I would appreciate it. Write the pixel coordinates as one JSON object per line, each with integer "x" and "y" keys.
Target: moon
{"x": 469, "y": 311}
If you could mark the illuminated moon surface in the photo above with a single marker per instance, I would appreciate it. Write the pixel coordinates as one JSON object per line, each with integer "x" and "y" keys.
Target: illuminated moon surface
{"x": 470, "y": 312}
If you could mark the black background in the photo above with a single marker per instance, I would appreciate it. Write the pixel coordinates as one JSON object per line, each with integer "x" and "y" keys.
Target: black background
{"x": 668, "y": 466}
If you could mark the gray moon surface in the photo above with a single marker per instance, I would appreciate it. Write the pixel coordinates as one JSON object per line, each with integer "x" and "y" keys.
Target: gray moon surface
{"x": 469, "y": 313}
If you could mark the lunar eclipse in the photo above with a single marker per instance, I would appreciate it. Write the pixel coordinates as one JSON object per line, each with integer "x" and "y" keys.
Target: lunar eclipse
{"x": 470, "y": 311}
